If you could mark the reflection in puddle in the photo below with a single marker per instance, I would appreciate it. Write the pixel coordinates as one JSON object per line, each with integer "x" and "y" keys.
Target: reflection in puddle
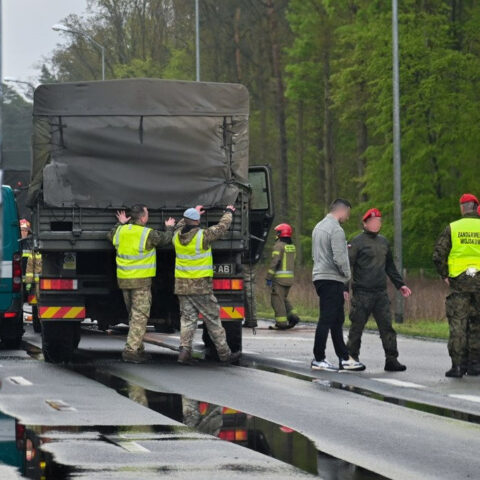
{"x": 423, "y": 407}
{"x": 231, "y": 425}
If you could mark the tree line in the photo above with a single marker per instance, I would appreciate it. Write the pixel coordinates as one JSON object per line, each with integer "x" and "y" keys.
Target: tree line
{"x": 319, "y": 76}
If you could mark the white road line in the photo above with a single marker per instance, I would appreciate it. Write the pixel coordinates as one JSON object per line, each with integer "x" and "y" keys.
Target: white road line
{"x": 469, "y": 398}
{"x": 60, "y": 405}
{"x": 399, "y": 383}
{"x": 133, "y": 447}
{"x": 20, "y": 381}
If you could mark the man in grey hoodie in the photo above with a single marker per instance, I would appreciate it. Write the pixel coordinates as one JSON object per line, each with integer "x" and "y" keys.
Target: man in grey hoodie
{"x": 331, "y": 272}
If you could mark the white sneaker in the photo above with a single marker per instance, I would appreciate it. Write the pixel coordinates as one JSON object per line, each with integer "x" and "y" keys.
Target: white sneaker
{"x": 352, "y": 364}
{"x": 323, "y": 365}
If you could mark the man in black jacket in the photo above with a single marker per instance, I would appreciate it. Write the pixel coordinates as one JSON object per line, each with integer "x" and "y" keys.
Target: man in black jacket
{"x": 371, "y": 261}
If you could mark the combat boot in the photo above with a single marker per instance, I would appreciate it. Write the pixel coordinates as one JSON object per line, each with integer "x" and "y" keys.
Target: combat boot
{"x": 135, "y": 357}
{"x": 393, "y": 365}
{"x": 280, "y": 326}
{"x": 457, "y": 371}
{"x": 233, "y": 358}
{"x": 473, "y": 369}
{"x": 185, "y": 357}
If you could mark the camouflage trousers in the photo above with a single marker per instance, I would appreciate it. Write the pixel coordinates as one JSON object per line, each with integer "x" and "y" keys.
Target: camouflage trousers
{"x": 249, "y": 279}
{"x": 463, "y": 313}
{"x": 377, "y": 304}
{"x": 207, "y": 306}
{"x": 280, "y": 304}
{"x": 138, "y": 302}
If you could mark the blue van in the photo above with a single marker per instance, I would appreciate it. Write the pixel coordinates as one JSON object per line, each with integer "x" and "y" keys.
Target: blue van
{"x": 11, "y": 314}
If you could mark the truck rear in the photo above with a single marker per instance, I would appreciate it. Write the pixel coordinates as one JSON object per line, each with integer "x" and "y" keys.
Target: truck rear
{"x": 103, "y": 146}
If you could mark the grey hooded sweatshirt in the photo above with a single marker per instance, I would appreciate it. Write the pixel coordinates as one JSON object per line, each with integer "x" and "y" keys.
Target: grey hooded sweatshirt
{"x": 329, "y": 251}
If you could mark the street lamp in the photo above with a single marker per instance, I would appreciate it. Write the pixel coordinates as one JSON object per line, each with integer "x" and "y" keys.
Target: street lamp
{"x": 63, "y": 28}
{"x": 197, "y": 41}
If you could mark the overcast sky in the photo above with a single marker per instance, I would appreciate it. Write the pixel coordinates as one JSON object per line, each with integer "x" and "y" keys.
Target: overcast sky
{"x": 28, "y": 34}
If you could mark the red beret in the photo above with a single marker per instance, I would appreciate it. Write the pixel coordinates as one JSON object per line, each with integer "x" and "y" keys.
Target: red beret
{"x": 373, "y": 212}
{"x": 468, "y": 197}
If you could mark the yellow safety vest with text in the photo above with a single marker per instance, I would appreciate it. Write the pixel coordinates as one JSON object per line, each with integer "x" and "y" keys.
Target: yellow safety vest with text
{"x": 288, "y": 262}
{"x": 133, "y": 258}
{"x": 465, "y": 252}
{"x": 192, "y": 260}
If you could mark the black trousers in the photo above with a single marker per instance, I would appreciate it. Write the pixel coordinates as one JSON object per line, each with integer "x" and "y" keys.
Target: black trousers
{"x": 331, "y": 318}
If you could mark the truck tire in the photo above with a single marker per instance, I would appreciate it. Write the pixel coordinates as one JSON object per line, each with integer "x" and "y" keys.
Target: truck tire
{"x": 59, "y": 340}
{"x": 11, "y": 332}
{"x": 37, "y": 326}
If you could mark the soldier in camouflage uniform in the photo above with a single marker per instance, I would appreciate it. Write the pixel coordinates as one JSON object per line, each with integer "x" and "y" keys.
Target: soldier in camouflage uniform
{"x": 135, "y": 270}
{"x": 457, "y": 259}
{"x": 280, "y": 278}
{"x": 193, "y": 282}
{"x": 371, "y": 262}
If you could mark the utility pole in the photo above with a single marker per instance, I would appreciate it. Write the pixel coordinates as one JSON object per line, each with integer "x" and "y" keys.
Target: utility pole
{"x": 197, "y": 41}
{"x": 1, "y": 133}
{"x": 397, "y": 162}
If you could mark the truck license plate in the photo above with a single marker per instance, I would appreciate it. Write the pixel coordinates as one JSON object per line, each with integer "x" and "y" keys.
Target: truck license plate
{"x": 225, "y": 268}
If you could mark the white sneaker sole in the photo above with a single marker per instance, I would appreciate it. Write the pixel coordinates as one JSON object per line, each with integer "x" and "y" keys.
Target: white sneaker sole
{"x": 354, "y": 369}
{"x": 324, "y": 369}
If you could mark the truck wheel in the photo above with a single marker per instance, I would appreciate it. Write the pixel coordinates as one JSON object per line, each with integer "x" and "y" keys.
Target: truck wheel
{"x": 37, "y": 326}
{"x": 59, "y": 340}
{"x": 11, "y": 332}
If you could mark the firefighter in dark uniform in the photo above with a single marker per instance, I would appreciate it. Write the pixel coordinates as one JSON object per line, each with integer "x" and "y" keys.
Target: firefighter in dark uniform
{"x": 280, "y": 278}
{"x": 371, "y": 261}
{"x": 457, "y": 259}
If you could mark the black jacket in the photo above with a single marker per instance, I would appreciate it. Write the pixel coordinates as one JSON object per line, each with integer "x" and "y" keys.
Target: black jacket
{"x": 371, "y": 261}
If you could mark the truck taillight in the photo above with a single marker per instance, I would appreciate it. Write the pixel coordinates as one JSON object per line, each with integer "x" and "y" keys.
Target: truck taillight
{"x": 238, "y": 435}
{"x": 227, "y": 284}
{"x": 17, "y": 272}
{"x": 58, "y": 284}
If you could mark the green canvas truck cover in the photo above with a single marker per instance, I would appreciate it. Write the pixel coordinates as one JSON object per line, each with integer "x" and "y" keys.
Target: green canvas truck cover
{"x": 115, "y": 143}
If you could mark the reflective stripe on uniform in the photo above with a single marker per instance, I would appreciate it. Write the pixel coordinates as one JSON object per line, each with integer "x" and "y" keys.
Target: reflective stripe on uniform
{"x": 192, "y": 260}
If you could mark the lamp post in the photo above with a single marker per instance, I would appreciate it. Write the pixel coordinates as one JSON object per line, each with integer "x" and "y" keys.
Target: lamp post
{"x": 397, "y": 162}
{"x": 63, "y": 28}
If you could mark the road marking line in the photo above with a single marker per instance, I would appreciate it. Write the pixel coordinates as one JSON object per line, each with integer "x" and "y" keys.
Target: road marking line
{"x": 470, "y": 398}
{"x": 60, "y": 405}
{"x": 133, "y": 447}
{"x": 399, "y": 383}
{"x": 20, "y": 381}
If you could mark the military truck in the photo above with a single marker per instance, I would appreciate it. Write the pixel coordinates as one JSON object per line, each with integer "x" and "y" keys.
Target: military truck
{"x": 102, "y": 146}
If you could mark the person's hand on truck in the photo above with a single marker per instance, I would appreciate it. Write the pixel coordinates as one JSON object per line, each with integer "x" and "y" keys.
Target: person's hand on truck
{"x": 199, "y": 209}
{"x": 231, "y": 208}
{"x": 122, "y": 217}
{"x": 170, "y": 222}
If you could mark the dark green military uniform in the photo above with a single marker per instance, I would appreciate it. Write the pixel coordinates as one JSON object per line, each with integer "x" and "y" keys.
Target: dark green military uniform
{"x": 371, "y": 261}
{"x": 281, "y": 273}
{"x": 462, "y": 305}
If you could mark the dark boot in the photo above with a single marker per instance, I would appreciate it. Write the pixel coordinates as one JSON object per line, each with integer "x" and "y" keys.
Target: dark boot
{"x": 135, "y": 357}
{"x": 456, "y": 371}
{"x": 473, "y": 369}
{"x": 185, "y": 357}
{"x": 293, "y": 320}
{"x": 280, "y": 326}
{"x": 393, "y": 365}
{"x": 233, "y": 358}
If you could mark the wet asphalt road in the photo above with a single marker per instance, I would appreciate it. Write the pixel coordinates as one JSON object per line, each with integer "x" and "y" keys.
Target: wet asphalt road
{"x": 392, "y": 440}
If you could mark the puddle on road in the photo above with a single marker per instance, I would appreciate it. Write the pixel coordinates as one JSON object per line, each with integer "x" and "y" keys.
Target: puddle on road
{"x": 423, "y": 407}
{"x": 260, "y": 435}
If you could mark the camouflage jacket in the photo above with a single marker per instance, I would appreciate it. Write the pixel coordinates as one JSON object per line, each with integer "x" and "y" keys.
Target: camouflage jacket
{"x": 463, "y": 282}
{"x": 200, "y": 286}
{"x": 155, "y": 238}
{"x": 278, "y": 253}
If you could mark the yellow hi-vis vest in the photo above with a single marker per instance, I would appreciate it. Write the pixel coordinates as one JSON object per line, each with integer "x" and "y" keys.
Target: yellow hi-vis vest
{"x": 288, "y": 262}
{"x": 465, "y": 252}
{"x": 133, "y": 259}
{"x": 192, "y": 260}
